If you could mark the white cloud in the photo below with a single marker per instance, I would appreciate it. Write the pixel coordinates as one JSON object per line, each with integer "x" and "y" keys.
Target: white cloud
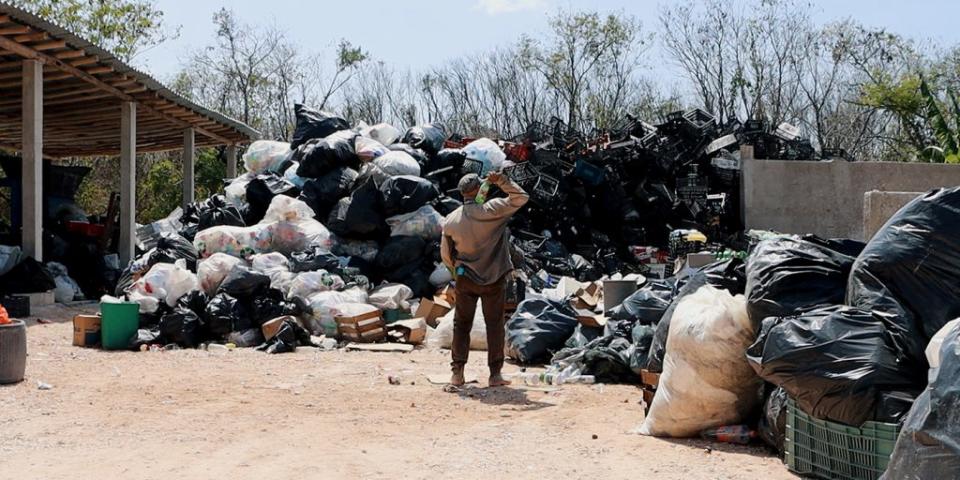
{"x": 497, "y": 7}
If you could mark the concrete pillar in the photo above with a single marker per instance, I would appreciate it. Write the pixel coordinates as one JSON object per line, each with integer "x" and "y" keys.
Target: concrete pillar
{"x": 189, "y": 161}
{"x": 32, "y": 150}
{"x": 231, "y": 161}
{"x": 128, "y": 181}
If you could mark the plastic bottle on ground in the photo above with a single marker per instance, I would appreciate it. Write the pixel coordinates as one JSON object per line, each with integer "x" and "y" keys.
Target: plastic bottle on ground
{"x": 739, "y": 434}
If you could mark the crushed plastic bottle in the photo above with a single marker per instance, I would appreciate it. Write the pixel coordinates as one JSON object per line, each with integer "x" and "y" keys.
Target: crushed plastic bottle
{"x": 739, "y": 434}
{"x": 481, "y": 197}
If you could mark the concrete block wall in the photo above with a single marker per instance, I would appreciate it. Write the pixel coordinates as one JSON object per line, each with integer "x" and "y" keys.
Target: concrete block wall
{"x": 827, "y": 198}
{"x": 879, "y": 206}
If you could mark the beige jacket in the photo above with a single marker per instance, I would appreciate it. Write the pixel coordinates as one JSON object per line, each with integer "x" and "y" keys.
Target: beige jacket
{"x": 476, "y": 237}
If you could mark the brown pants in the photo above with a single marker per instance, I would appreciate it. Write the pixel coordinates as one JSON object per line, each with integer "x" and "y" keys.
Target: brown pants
{"x": 493, "y": 297}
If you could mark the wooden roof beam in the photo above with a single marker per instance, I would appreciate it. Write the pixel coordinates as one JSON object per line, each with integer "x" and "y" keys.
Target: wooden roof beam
{"x": 27, "y": 52}
{"x": 15, "y": 30}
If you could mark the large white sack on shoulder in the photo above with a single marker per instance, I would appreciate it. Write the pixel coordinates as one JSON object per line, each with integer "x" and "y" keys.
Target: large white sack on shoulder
{"x": 398, "y": 163}
{"x": 487, "y": 152}
{"x": 425, "y": 223}
{"x": 236, "y": 192}
{"x": 369, "y": 149}
{"x": 390, "y": 296}
{"x": 382, "y": 132}
{"x": 706, "y": 380}
{"x": 442, "y": 336}
{"x": 933, "y": 347}
{"x": 264, "y": 155}
{"x": 212, "y": 270}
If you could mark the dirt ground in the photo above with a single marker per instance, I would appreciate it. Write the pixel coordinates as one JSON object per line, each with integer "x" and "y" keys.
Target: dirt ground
{"x": 310, "y": 414}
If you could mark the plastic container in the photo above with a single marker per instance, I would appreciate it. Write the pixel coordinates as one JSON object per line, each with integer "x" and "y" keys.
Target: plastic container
{"x": 119, "y": 324}
{"x": 395, "y": 315}
{"x": 13, "y": 351}
{"x": 616, "y": 291}
{"x": 829, "y": 450}
{"x": 590, "y": 174}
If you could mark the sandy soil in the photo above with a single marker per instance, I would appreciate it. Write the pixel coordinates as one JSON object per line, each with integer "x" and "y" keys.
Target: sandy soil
{"x": 309, "y": 414}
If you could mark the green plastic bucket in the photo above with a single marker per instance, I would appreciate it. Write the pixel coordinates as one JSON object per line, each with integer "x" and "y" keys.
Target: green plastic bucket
{"x": 119, "y": 324}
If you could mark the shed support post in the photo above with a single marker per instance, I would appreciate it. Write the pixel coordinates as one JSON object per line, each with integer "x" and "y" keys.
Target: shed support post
{"x": 231, "y": 161}
{"x": 32, "y": 151}
{"x": 189, "y": 160}
{"x": 128, "y": 181}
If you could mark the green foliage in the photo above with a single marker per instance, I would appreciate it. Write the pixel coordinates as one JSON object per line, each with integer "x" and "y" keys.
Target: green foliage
{"x": 349, "y": 56}
{"x": 161, "y": 189}
{"x": 941, "y": 130}
{"x": 124, "y": 27}
{"x": 901, "y": 97}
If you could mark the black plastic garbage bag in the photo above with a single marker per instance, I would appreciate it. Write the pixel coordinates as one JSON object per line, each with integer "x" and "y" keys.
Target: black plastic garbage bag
{"x": 399, "y": 252}
{"x": 647, "y": 304}
{"x": 288, "y": 338}
{"x": 314, "y": 259}
{"x": 211, "y": 212}
{"x": 606, "y": 358}
{"x": 172, "y": 247}
{"x": 226, "y": 314}
{"x": 196, "y": 301}
{"x": 28, "y": 276}
{"x": 321, "y": 194}
{"x": 429, "y": 137}
{"x": 144, "y": 336}
{"x": 929, "y": 443}
{"x": 538, "y": 329}
{"x": 909, "y": 272}
{"x": 833, "y": 361}
{"x": 445, "y": 205}
{"x": 583, "y": 335}
{"x": 260, "y": 192}
{"x": 452, "y": 158}
{"x": 321, "y": 156}
{"x": 642, "y": 338}
{"x": 183, "y": 327}
{"x": 359, "y": 216}
{"x": 772, "y": 427}
{"x": 787, "y": 276}
{"x": 314, "y": 124}
{"x": 727, "y": 275}
{"x": 242, "y": 282}
{"x": 267, "y": 305}
{"x": 406, "y": 193}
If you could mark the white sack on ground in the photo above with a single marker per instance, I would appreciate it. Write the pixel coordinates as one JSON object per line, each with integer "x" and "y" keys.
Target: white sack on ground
{"x": 706, "y": 380}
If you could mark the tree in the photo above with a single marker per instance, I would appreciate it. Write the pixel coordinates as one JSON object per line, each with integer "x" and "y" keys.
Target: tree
{"x": 124, "y": 27}
{"x": 582, "y": 45}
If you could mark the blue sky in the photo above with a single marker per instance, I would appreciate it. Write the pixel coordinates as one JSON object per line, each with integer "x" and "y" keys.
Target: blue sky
{"x": 420, "y": 33}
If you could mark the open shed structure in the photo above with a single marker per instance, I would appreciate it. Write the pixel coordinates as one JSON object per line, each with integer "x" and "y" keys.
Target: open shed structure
{"x": 61, "y": 96}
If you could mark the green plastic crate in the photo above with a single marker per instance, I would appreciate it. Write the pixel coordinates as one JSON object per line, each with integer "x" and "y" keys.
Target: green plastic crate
{"x": 829, "y": 450}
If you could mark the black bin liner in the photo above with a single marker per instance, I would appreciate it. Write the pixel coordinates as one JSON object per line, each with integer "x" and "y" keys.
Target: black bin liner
{"x": 787, "y": 276}
{"x": 647, "y": 304}
{"x": 183, "y": 327}
{"x": 929, "y": 443}
{"x": 314, "y": 124}
{"x": 908, "y": 272}
{"x": 538, "y": 329}
{"x": 242, "y": 282}
{"x": 833, "y": 361}
{"x": 321, "y": 194}
{"x": 321, "y": 156}
{"x": 359, "y": 216}
{"x": 260, "y": 192}
{"x": 29, "y": 276}
{"x": 429, "y": 137}
{"x": 226, "y": 314}
{"x": 406, "y": 193}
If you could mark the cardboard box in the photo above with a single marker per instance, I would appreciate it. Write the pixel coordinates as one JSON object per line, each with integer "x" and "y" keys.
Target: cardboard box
{"x": 432, "y": 310}
{"x": 448, "y": 294}
{"x": 271, "y": 327}
{"x": 412, "y": 331}
{"x": 364, "y": 328}
{"x": 86, "y": 330}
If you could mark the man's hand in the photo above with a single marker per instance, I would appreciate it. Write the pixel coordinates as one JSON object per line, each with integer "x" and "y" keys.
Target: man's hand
{"x": 495, "y": 178}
